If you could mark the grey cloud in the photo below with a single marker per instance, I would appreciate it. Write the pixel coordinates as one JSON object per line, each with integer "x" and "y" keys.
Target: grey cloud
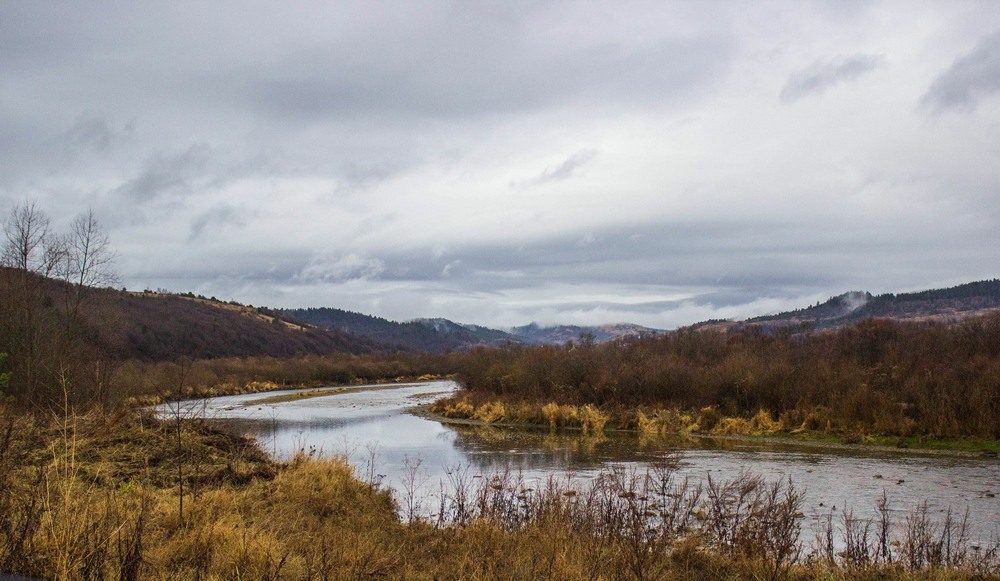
{"x": 823, "y": 74}
{"x": 725, "y": 263}
{"x": 433, "y": 60}
{"x": 735, "y": 294}
{"x": 650, "y": 307}
{"x": 217, "y": 217}
{"x": 460, "y": 76}
{"x": 86, "y": 142}
{"x": 341, "y": 267}
{"x": 91, "y": 137}
{"x": 561, "y": 172}
{"x": 91, "y": 132}
{"x": 385, "y": 135}
{"x": 970, "y": 78}
{"x": 716, "y": 299}
{"x": 22, "y": 47}
{"x": 194, "y": 264}
{"x": 355, "y": 176}
{"x": 719, "y": 255}
{"x": 162, "y": 175}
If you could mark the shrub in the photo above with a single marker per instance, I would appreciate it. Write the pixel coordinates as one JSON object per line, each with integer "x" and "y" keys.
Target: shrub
{"x": 490, "y": 412}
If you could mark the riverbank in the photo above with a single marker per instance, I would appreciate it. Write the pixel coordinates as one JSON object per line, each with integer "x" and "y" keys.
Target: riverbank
{"x": 705, "y": 424}
{"x": 298, "y": 395}
{"x": 318, "y": 388}
{"x": 97, "y": 495}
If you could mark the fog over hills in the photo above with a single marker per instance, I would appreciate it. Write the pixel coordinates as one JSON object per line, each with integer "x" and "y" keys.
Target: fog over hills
{"x": 944, "y": 305}
{"x": 438, "y": 334}
{"x": 157, "y": 326}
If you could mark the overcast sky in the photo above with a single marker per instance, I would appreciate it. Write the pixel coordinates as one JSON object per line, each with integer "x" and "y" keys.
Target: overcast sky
{"x": 506, "y": 162}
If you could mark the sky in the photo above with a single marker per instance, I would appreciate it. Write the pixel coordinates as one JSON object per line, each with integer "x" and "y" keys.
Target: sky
{"x": 499, "y": 163}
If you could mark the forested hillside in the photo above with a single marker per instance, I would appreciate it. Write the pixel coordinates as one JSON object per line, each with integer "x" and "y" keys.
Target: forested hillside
{"x": 156, "y": 326}
{"x": 947, "y": 305}
{"x": 442, "y": 335}
{"x": 59, "y": 336}
{"x": 413, "y": 335}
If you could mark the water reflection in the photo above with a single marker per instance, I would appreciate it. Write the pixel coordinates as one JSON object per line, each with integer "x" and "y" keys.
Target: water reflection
{"x": 369, "y": 426}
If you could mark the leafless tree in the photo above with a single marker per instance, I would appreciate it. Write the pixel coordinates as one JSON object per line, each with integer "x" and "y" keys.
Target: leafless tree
{"x": 87, "y": 260}
{"x": 27, "y": 249}
{"x": 82, "y": 258}
{"x": 29, "y": 244}
{"x": 89, "y": 253}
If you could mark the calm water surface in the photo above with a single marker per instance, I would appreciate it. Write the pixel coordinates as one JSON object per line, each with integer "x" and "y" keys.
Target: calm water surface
{"x": 374, "y": 429}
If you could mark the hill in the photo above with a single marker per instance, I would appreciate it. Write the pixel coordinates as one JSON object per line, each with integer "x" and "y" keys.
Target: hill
{"x": 428, "y": 335}
{"x": 152, "y": 326}
{"x": 442, "y": 335}
{"x": 559, "y": 334}
{"x": 468, "y": 334}
{"x": 949, "y": 305}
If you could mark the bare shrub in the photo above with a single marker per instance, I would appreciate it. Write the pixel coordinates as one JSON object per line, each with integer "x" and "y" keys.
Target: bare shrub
{"x": 755, "y": 520}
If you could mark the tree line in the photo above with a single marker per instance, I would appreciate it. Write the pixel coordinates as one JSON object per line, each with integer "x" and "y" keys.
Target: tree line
{"x": 877, "y": 376}
{"x": 41, "y": 323}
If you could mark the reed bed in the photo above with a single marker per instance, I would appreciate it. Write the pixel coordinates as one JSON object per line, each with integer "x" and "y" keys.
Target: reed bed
{"x": 92, "y": 496}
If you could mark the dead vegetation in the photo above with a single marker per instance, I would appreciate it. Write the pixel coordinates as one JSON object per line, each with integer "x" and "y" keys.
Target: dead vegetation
{"x": 94, "y": 496}
{"x": 877, "y": 377}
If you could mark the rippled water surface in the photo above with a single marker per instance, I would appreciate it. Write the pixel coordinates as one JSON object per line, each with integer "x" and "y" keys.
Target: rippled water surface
{"x": 375, "y": 424}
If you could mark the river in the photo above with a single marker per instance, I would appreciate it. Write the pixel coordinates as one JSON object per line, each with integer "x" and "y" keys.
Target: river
{"x": 373, "y": 427}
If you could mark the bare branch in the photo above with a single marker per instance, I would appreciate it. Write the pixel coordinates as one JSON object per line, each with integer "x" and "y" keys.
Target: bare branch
{"x": 90, "y": 256}
{"x": 27, "y": 234}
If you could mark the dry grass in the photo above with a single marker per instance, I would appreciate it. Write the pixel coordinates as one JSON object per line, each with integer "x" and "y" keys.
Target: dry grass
{"x": 652, "y": 423}
{"x": 588, "y": 418}
{"x": 648, "y": 421}
{"x": 94, "y": 497}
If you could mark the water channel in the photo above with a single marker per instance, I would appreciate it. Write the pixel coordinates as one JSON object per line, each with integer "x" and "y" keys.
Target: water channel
{"x": 374, "y": 428}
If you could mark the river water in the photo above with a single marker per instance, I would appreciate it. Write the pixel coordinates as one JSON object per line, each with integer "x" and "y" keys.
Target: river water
{"x": 375, "y": 430}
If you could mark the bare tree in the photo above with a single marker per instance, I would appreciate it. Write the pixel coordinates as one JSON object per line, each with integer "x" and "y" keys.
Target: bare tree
{"x": 89, "y": 254}
{"x": 29, "y": 245}
{"x": 81, "y": 258}
{"x": 27, "y": 249}
{"x": 87, "y": 260}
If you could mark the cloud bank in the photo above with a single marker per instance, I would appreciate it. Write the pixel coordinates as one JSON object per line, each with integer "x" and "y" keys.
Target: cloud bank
{"x": 501, "y": 163}
{"x": 821, "y": 75}
{"x": 971, "y": 78}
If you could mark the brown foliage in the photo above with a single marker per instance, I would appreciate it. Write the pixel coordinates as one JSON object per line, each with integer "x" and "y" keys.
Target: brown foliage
{"x": 877, "y": 376}
{"x": 91, "y": 497}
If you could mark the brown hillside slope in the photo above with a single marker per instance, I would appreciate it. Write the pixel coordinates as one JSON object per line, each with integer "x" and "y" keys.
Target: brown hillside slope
{"x": 156, "y": 327}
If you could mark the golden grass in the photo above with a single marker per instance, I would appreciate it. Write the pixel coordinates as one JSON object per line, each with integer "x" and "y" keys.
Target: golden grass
{"x": 589, "y": 418}
{"x": 758, "y": 425}
{"x": 650, "y": 422}
{"x": 97, "y": 497}
{"x": 490, "y": 412}
{"x": 661, "y": 422}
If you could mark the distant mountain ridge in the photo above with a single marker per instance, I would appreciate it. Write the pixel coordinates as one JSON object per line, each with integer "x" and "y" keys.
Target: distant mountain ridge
{"x": 158, "y": 326}
{"x": 538, "y": 335}
{"x": 431, "y": 335}
{"x": 946, "y": 305}
{"x": 440, "y": 335}
{"x": 153, "y": 325}
{"x": 467, "y": 333}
